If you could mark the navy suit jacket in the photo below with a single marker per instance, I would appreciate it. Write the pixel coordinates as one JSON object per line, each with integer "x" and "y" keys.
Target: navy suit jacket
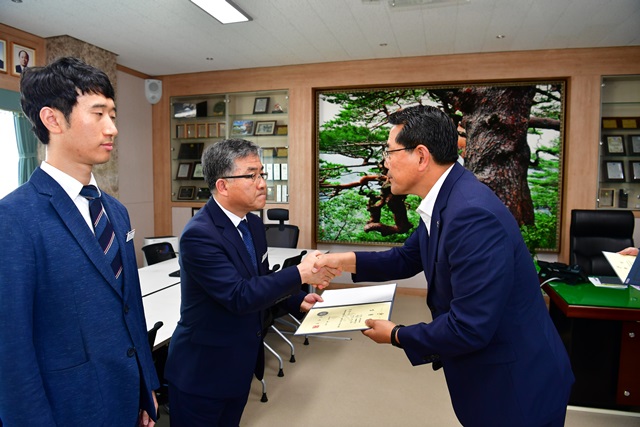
{"x": 503, "y": 359}
{"x": 73, "y": 345}
{"x": 217, "y": 346}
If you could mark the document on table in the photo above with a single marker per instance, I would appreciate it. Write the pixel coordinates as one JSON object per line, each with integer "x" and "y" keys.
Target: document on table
{"x": 347, "y": 309}
{"x": 621, "y": 264}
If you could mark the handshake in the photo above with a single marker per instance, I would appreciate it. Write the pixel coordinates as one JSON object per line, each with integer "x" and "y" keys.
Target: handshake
{"x": 318, "y": 269}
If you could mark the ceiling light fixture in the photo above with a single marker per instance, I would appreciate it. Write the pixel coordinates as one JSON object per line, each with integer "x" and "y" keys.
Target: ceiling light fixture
{"x": 223, "y": 10}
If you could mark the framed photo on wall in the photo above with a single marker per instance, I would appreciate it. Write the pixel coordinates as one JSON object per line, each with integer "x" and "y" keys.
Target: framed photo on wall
{"x": 634, "y": 145}
{"x": 22, "y": 57}
{"x": 197, "y": 171}
{"x": 265, "y": 128}
{"x": 202, "y": 130}
{"x": 634, "y": 170}
{"x": 614, "y": 144}
{"x": 186, "y": 193}
{"x": 212, "y": 130}
{"x": 242, "y": 127}
{"x": 614, "y": 171}
{"x": 184, "y": 171}
{"x": 3, "y": 56}
{"x": 605, "y": 198}
{"x": 261, "y": 105}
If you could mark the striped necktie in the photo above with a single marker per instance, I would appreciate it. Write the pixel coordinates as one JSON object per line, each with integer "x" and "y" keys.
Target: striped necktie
{"x": 103, "y": 229}
{"x": 248, "y": 242}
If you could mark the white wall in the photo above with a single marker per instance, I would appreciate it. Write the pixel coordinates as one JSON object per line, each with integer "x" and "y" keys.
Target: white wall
{"x": 135, "y": 157}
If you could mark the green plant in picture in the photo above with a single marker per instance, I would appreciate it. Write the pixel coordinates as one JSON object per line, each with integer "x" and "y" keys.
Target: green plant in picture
{"x": 510, "y": 138}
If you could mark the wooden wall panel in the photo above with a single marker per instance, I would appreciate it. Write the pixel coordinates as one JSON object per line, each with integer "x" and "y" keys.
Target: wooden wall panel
{"x": 582, "y": 68}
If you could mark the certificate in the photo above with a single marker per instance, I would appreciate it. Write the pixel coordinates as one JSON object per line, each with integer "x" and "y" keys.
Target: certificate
{"x": 347, "y": 309}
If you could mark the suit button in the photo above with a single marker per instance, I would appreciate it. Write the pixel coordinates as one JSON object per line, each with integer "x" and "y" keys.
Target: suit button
{"x": 126, "y": 309}
{"x": 131, "y": 352}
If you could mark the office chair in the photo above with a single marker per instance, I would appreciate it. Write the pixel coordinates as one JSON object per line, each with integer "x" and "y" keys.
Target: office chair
{"x": 158, "y": 252}
{"x": 274, "y": 313}
{"x": 281, "y": 235}
{"x": 594, "y": 231}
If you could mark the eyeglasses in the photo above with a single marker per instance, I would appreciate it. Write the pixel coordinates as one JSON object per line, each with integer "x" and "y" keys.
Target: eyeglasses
{"x": 386, "y": 152}
{"x": 251, "y": 176}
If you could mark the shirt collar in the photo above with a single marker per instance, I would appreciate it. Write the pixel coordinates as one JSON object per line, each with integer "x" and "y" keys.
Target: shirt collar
{"x": 70, "y": 185}
{"x": 235, "y": 219}
{"x": 425, "y": 209}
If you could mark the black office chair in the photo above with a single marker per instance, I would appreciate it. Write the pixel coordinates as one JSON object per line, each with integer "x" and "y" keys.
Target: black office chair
{"x": 158, "y": 252}
{"x": 281, "y": 235}
{"x": 594, "y": 231}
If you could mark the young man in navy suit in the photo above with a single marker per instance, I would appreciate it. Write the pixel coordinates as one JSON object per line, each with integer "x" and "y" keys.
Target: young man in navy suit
{"x": 504, "y": 362}
{"x": 226, "y": 289}
{"x": 74, "y": 348}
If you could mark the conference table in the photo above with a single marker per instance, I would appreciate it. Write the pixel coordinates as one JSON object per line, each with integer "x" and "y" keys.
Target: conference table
{"x": 600, "y": 328}
{"x": 161, "y": 292}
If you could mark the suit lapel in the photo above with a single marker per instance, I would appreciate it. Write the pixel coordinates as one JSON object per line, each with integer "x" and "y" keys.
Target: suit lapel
{"x": 436, "y": 218}
{"x": 75, "y": 223}
{"x": 230, "y": 233}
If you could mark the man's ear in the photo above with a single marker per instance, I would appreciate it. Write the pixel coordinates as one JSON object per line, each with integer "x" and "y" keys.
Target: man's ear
{"x": 52, "y": 120}
{"x": 221, "y": 187}
{"x": 424, "y": 156}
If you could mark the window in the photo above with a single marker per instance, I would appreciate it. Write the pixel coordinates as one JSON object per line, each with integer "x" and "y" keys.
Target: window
{"x": 8, "y": 154}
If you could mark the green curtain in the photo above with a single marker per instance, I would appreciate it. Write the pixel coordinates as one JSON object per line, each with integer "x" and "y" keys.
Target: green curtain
{"x": 27, "y": 147}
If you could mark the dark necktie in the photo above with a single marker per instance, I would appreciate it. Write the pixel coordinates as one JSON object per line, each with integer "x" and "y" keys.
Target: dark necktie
{"x": 248, "y": 242}
{"x": 103, "y": 229}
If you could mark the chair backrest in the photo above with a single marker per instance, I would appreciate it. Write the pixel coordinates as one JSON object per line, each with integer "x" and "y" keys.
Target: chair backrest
{"x": 281, "y": 235}
{"x": 151, "y": 334}
{"x": 594, "y": 231}
{"x": 294, "y": 260}
{"x": 158, "y": 252}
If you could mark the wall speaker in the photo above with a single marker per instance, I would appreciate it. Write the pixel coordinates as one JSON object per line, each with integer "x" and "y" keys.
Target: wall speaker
{"x": 153, "y": 90}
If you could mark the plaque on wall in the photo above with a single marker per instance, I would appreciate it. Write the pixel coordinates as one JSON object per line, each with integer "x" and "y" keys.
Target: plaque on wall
{"x": 192, "y": 150}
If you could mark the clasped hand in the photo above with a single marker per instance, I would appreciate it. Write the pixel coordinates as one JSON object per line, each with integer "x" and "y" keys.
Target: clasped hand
{"x": 317, "y": 277}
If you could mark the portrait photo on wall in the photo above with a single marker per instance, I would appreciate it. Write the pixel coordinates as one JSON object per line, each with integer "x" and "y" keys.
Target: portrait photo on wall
{"x": 510, "y": 135}
{"x": 3, "y": 56}
{"x": 22, "y": 57}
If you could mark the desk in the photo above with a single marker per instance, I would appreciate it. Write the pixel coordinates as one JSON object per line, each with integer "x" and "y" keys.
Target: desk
{"x": 161, "y": 293}
{"x": 600, "y": 329}
{"x": 156, "y": 277}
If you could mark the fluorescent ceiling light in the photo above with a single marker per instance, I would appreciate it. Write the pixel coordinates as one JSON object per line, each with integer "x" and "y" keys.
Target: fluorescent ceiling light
{"x": 223, "y": 10}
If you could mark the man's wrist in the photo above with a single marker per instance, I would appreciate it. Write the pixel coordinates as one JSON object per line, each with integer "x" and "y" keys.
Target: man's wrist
{"x": 394, "y": 336}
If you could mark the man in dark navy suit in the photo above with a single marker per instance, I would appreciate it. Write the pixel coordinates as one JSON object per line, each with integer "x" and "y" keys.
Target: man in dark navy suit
{"x": 74, "y": 349}
{"x": 504, "y": 362}
{"x": 226, "y": 289}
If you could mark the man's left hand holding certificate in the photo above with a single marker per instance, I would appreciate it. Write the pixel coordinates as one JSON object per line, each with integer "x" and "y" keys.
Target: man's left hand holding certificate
{"x": 348, "y": 309}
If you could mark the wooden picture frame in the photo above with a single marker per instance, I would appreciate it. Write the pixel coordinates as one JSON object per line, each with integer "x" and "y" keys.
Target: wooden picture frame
{"x": 4, "y": 61}
{"x": 180, "y": 131}
{"x": 242, "y": 127}
{"x": 634, "y": 170}
{"x": 606, "y": 197}
{"x": 282, "y": 152}
{"x": 348, "y": 167}
{"x": 261, "y": 105}
{"x": 282, "y": 129}
{"x": 613, "y": 171}
{"x": 212, "y": 130}
{"x": 222, "y": 130}
{"x": 634, "y": 145}
{"x": 191, "y": 130}
{"x": 18, "y": 53}
{"x": 183, "y": 171}
{"x": 265, "y": 128}
{"x": 186, "y": 192}
{"x": 202, "y": 130}
{"x": 197, "y": 171}
{"x": 614, "y": 145}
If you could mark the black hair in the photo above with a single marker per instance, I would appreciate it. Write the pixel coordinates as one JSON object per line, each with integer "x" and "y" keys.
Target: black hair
{"x": 58, "y": 86}
{"x": 429, "y": 126}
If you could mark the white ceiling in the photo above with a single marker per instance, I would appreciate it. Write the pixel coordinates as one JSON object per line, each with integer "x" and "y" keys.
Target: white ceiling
{"x": 159, "y": 37}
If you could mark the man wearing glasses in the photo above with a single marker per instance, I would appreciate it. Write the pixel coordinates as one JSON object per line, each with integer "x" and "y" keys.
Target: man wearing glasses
{"x": 226, "y": 287}
{"x": 502, "y": 356}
